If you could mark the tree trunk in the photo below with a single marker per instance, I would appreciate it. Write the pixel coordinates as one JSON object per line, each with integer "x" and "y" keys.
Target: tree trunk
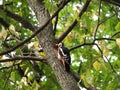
{"x": 46, "y": 40}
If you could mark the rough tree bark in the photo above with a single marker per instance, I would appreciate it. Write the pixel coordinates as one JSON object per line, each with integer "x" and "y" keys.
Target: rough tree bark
{"x": 46, "y": 40}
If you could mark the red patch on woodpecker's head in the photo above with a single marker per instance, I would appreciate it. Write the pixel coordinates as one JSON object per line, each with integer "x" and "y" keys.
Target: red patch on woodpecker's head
{"x": 55, "y": 46}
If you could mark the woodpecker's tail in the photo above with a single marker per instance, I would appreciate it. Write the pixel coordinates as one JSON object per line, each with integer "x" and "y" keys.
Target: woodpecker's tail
{"x": 67, "y": 67}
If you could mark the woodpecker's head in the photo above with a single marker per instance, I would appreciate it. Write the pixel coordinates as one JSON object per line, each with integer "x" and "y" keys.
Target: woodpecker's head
{"x": 61, "y": 44}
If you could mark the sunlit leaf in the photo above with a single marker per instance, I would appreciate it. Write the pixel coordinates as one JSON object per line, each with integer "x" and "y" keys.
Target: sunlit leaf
{"x": 117, "y": 27}
{"x": 30, "y": 45}
{"x": 97, "y": 65}
{"x": 26, "y": 71}
{"x": 3, "y": 34}
{"x": 13, "y": 30}
{"x": 36, "y": 45}
{"x": 85, "y": 81}
{"x": 42, "y": 54}
{"x": 118, "y": 42}
{"x": 106, "y": 51}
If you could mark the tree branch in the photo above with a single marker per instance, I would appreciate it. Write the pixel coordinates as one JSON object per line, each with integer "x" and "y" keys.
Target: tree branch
{"x": 4, "y": 23}
{"x": 115, "y": 2}
{"x": 84, "y": 7}
{"x": 99, "y": 50}
{"x": 84, "y": 44}
{"x": 87, "y": 44}
{"x": 99, "y": 23}
{"x": 24, "y": 58}
{"x": 67, "y": 31}
{"x": 61, "y": 38}
{"x": 105, "y": 39}
{"x": 60, "y": 8}
{"x": 20, "y": 19}
{"x": 115, "y": 34}
{"x": 55, "y": 25}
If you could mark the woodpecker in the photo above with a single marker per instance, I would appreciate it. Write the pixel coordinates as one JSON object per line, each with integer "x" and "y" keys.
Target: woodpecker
{"x": 64, "y": 56}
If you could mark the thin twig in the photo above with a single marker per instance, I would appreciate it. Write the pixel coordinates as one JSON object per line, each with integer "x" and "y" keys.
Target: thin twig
{"x": 111, "y": 65}
{"x": 115, "y": 34}
{"x": 106, "y": 59}
{"x": 105, "y": 19}
{"x": 96, "y": 29}
{"x": 105, "y": 39}
{"x": 84, "y": 44}
{"x": 80, "y": 66}
{"x": 99, "y": 50}
{"x": 7, "y": 78}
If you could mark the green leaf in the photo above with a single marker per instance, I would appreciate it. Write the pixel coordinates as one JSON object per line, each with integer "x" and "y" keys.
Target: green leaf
{"x": 117, "y": 27}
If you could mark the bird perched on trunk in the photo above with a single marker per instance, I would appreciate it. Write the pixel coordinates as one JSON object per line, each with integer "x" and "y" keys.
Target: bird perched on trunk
{"x": 64, "y": 56}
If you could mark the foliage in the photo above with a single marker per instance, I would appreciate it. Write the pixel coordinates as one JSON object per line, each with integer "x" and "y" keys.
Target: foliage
{"x": 96, "y": 60}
